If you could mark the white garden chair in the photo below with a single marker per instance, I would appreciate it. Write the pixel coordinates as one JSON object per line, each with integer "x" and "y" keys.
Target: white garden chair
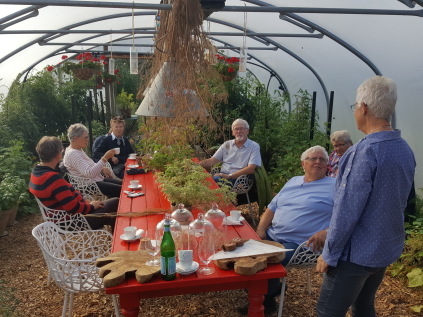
{"x": 242, "y": 185}
{"x": 63, "y": 219}
{"x": 87, "y": 187}
{"x": 304, "y": 258}
{"x": 70, "y": 257}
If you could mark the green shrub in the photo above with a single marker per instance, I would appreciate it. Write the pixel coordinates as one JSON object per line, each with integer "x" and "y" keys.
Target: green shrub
{"x": 8, "y": 301}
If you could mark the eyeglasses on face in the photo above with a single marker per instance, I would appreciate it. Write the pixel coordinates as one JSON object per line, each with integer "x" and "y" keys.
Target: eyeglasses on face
{"x": 239, "y": 129}
{"x": 314, "y": 159}
{"x": 353, "y": 106}
{"x": 335, "y": 146}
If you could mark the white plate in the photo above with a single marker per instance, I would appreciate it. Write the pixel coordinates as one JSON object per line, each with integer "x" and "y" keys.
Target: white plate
{"x": 139, "y": 234}
{"x": 133, "y": 165}
{"x": 135, "y": 187}
{"x": 193, "y": 268}
{"x": 231, "y": 222}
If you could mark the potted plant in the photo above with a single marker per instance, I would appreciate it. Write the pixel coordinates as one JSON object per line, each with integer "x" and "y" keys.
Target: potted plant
{"x": 186, "y": 182}
{"x": 11, "y": 190}
{"x": 85, "y": 67}
{"x": 227, "y": 67}
{"x": 125, "y": 104}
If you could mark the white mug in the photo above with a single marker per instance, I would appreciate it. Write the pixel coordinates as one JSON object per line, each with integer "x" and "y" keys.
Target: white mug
{"x": 117, "y": 150}
{"x": 130, "y": 232}
{"x": 134, "y": 183}
{"x": 235, "y": 215}
{"x": 185, "y": 259}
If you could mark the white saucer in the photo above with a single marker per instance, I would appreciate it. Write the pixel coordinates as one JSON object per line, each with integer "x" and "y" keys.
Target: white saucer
{"x": 133, "y": 165}
{"x": 193, "y": 268}
{"x": 130, "y": 158}
{"x": 135, "y": 187}
{"x": 123, "y": 237}
{"x": 231, "y": 222}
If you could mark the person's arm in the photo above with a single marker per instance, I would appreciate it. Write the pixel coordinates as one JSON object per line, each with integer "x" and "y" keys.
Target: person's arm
{"x": 208, "y": 163}
{"x": 265, "y": 222}
{"x": 244, "y": 171}
{"x": 88, "y": 169}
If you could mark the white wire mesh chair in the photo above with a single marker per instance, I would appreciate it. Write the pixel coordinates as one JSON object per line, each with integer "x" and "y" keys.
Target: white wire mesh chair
{"x": 304, "y": 258}
{"x": 242, "y": 185}
{"x": 70, "y": 257}
{"x": 63, "y": 219}
{"x": 109, "y": 167}
{"x": 87, "y": 187}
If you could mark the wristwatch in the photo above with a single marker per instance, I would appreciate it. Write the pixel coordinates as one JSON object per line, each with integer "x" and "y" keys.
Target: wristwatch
{"x": 230, "y": 175}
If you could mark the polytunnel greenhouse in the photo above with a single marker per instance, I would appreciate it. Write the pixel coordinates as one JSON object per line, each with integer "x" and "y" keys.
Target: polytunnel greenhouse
{"x": 182, "y": 71}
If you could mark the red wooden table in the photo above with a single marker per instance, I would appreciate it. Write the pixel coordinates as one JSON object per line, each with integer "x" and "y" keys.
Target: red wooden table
{"x": 131, "y": 292}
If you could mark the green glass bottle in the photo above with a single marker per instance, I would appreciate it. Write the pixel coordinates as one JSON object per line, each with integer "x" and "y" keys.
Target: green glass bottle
{"x": 168, "y": 253}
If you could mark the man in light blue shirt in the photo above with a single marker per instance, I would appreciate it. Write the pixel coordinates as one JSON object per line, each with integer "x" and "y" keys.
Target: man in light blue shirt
{"x": 366, "y": 232}
{"x": 239, "y": 157}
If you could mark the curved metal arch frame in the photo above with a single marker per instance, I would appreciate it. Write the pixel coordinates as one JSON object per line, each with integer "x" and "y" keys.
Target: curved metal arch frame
{"x": 265, "y": 66}
{"x": 281, "y": 47}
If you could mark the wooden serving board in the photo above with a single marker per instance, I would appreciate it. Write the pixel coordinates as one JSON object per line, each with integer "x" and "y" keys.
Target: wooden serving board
{"x": 116, "y": 267}
{"x": 250, "y": 265}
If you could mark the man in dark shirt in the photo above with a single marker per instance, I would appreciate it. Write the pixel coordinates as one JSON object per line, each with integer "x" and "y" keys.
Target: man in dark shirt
{"x": 115, "y": 140}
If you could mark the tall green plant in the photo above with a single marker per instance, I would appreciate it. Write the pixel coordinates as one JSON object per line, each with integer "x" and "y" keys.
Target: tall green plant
{"x": 15, "y": 160}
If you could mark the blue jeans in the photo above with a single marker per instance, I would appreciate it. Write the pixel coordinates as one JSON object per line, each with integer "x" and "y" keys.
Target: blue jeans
{"x": 349, "y": 284}
{"x": 273, "y": 285}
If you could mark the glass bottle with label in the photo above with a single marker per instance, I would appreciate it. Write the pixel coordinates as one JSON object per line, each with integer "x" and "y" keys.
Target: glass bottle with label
{"x": 167, "y": 253}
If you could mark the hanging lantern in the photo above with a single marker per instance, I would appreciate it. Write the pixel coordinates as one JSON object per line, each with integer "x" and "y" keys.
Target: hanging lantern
{"x": 243, "y": 60}
{"x": 133, "y": 61}
{"x": 112, "y": 63}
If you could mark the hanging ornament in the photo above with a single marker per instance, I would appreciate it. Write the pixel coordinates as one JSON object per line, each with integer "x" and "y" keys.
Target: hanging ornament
{"x": 133, "y": 53}
{"x": 112, "y": 61}
{"x": 244, "y": 50}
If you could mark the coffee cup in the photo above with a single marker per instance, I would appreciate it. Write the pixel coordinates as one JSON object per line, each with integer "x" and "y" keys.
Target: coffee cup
{"x": 235, "y": 215}
{"x": 134, "y": 183}
{"x": 185, "y": 259}
{"x": 130, "y": 232}
{"x": 133, "y": 156}
{"x": 117, "y": 150}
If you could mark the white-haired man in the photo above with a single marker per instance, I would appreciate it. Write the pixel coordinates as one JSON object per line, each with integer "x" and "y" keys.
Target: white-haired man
{"x": 366, "y": 232}
{"x": 239, "y": 157}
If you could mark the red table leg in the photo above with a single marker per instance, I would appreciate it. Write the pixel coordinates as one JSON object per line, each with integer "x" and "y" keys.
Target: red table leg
{"x": 129, "y": 305}
{"x": 255, "y": 297}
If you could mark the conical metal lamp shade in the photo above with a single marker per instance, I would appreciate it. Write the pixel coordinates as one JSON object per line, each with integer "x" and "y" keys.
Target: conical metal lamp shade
{"x": 159, "y": 100}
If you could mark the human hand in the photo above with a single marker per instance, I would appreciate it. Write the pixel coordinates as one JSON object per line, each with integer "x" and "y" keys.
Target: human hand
{"x": 97, "y": 204}
{"x": 321, "y": 266}
{"x": 107, "y": 172}
{"x": 109, "y": 154}
{"x": 317, "y": 240}
{"x": 115, "y": 160}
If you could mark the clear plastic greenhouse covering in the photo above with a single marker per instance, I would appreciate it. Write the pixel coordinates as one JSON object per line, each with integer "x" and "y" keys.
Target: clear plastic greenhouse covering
{"x": 319, "y": 46}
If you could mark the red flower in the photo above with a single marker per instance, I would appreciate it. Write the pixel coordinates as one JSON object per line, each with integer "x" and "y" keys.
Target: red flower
{"x": 231, "y": 70}
{"x": 104, "y": 63}
{"x": 102, "y": 57}
{"x": 95, "y": 59}
{"x": 50, "y": 68}
{"x": 79, "y": 57}
{"x": 99, "y": 86}
{"x": 64, "y": 57}
{"x": 116, "y": 71}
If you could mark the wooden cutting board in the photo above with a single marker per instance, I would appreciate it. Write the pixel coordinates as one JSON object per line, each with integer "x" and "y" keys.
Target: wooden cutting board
{"x": 116, "y": 267}
{"x": 250, "y": 265}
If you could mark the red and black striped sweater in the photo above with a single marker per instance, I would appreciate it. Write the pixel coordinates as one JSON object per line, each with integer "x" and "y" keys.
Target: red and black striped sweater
{"x": 56, "y": 193}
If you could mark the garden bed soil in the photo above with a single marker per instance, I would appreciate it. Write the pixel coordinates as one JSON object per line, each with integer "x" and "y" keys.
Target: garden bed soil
{"x": 23, "y": 269}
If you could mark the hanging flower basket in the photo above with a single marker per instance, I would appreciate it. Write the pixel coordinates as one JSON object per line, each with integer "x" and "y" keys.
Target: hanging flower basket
{"x": 83, "y": 73}
{"x": 228, "y": 76}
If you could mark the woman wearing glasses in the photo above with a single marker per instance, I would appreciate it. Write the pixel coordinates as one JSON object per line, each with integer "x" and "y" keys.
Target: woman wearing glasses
{"x": 341, "y": 142}
{"x": 300, "y": 212}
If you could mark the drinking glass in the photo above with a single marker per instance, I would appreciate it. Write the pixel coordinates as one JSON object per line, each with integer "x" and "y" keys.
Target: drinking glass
{"x": 205, "y": 253}
{"x": 152, "y": 245}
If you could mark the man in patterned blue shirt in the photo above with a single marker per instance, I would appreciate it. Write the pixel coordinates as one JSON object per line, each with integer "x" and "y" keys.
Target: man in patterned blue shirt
{"x": 366, "y": 232}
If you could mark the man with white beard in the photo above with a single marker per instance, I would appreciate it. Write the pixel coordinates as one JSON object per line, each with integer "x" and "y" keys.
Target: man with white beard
{"x": 239, "y": 157}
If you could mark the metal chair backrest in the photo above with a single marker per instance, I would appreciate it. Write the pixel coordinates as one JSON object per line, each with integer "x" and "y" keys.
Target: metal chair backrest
{"x": 71, "y": 256}
{"x": 63, "y": 219}
{"x": 87, "y": 187}
{"x": 304, "y": 257}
